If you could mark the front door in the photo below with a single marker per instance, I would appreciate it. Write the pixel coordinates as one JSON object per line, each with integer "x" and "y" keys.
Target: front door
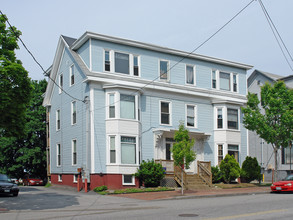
{"x": 168, "y": 151}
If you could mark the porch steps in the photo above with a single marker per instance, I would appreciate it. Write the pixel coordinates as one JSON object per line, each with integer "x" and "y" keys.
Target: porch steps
{"x": 195, "y": 182}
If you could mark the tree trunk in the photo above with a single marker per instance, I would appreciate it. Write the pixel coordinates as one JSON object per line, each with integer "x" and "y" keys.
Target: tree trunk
{"x": 276, "y": 165}
{"x": 182, "y": 182}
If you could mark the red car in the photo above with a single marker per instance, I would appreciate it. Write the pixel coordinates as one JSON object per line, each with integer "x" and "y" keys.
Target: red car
{"x": 285, "y": 185}
{"x": 33, "y": 181}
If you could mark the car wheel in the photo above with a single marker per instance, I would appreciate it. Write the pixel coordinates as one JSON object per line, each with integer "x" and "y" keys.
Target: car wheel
{"x": 15, "y": 194}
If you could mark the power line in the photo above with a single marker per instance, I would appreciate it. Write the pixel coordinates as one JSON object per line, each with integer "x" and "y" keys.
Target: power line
{"x": 274, "y": 30}
{"x": 188, "y": 55}
{"x": 44, "y": 72}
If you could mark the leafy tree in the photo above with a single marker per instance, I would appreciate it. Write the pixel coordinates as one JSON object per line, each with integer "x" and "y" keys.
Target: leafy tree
{"x": 230, "y": 168}
{"x": 182, "y": 151}
{"x": 250, "y": 169}
{"x": 150, "y": 173}
{"x": 15, "y": 86}
{"x": 273, "y": 121}
{"x": 27, "y": 153}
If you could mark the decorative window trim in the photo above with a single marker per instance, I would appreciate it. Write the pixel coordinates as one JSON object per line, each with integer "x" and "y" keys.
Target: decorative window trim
{"x": 194, "y": 116}
{"x": 194, "y": 74}
{"x": 170, "y": 112}
{"x": 128, "y": 184}
{"x": 72, "y": 150}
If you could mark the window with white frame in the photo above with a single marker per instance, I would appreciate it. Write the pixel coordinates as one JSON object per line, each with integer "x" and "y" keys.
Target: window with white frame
{"x": 112, "y": 105}
{"x": 235, "y": 84}
{"x": 112, "y": 149}
{"x": 190, "y": 115}
{"x": 75, "y": 178}
{"x": 233, "y": 150}
{"x": 74, "y": 153}
{"x": 190, "y": 75}
{"x": 58, "y": 122}
{"x": 225, "y": 81}
{"x": 165, "y": 113}
{"x": 220, "y": 153}
{"x": 214, "y": 79}
{"x": 58, "y": 154}
{"x": 107, "y": 61}
{"x": 60, "y": 83}
{"x": 128, "y": 150}
{"x": 121, "y": 63}
{"x": 135, "y": 65}
{"x": 59, "y": 178}
{"x": 73, "y": 112}
{"x": 232, "y": 118}
{"x": 71, "y": 75}
{"x": 219, "y": 118}
{"x": 164, "y": 70}
{"x": 127, "y": 106}
{"x": 128, "y": 179}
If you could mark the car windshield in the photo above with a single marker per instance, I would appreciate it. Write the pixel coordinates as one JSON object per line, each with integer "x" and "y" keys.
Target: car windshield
{"x": 4, "y": 178}
{"x": 290, "y": 177}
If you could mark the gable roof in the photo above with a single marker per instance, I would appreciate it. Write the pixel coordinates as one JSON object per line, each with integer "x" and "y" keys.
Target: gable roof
{"x": 270, "y": 76}
{"x": 68, "y": 40}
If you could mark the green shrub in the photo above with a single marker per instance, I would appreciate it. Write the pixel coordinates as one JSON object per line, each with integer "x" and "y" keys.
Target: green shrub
{"x": 250, "y": 170}
{"x": 217, "y": 175}
{"x": 100, "y": 188}
{"x": 230, "y": 168}
{"x": 150, "y": 173}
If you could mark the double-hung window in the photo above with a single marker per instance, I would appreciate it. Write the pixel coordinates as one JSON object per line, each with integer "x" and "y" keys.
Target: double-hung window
{"x": 72, "y": 75}
{"x": 165, "y": 113}
{"x": 220, "y": 153}
{"x": 190, "y": 115}
{"x": 121, "y": 63}
{"x": 127, "y": 106}
{"x": 74, "y": 153}
{"x": 190, "y": 75}
{"x": 219, "y": 118}
{"x": 58, "y": 154}
{"x": 225, "y": 81}
{"x": 60, "y": 83}
{"x": 107, "y": 61}
{"x": 164, "y": 70}
{"x": 214, "y": 79}
{"x": 128, "y": 150}
{"x": 232, "y": 118}
{"x": 233, "y": 150}
{"x": 73, "y": 112}
{"x": 58, "y": 123}
{"x": 111, "y": 105}
{"x": 235, "y": 85}
{"x": 112, "y": 150}
{"x": 135, "y": 66}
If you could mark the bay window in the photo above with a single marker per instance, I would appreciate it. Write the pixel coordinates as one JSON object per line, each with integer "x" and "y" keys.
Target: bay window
{"x": 233, "y": 150}
{"x": 112, "y": 150}
{"x": 128, "y": 150}
{"x": 111, "y": 105}
{"x": 219, "y": 118}
{"x": 127, "y": 106}
{"x": 232, "y": 118}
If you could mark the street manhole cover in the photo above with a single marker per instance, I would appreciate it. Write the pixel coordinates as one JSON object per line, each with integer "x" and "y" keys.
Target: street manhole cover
{"x": 188, "y": 215}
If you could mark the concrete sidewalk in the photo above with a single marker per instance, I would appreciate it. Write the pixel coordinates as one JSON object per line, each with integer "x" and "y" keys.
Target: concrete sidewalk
{"x": 215, "y": 192}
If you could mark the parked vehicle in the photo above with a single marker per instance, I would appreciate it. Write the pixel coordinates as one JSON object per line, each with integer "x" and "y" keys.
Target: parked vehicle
{"x": 14, "y": 179}
{"x": 33, "y": 181}
{"x": 7, "y": 186}
{"x": 285, "y": 185}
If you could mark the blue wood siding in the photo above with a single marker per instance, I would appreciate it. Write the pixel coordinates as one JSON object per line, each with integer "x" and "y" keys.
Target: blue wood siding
{"x": 84, "y": 52}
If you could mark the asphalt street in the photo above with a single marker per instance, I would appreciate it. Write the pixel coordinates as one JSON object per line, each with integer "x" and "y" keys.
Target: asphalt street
{"x": 50, "y": 203}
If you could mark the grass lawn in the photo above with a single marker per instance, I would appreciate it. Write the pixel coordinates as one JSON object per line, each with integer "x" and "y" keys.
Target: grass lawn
{"x": 240, "y": 185}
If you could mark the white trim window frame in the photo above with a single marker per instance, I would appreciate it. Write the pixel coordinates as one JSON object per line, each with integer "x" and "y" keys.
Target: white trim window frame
{"x": 74, "y": 152}
{"x": 190, "y": 76}
{"x": 214, "y": 77}
{"x": 112, "y": 149}
{"x": 225, "y": 81}
{"x": 58, "y": 155}
{"x": 112, "y": 105}
{"x": 234, "y": 82}
{"x": 75, "y": 177}
{"x": 165, "y": 110}
{"x": 60, "y": 83}
{"x": 71, "y": 75}
{"x": 191, "y": 115}
{"x": 120, "y": 61}
{"x": 220, "y": 149}
{"x": 129, "y": 177}
{"x": 73, "y": 113}
{"x": 129, "y": 102}
{"x": 164, "y": 70}
{"x": 233, "y": 119}
{"x": 220, "y": 118}
{"x": 58, "y": 120}
{"x": 128, "y": 148}
{"x": 59, "y": 177}
{"x": 135, "y": 65}
{"x": 107, "y": 61}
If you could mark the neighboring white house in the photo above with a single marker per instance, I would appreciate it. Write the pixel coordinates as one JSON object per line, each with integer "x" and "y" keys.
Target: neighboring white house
{"x": 258, "y": 147}
{"x": 119, "y": 102}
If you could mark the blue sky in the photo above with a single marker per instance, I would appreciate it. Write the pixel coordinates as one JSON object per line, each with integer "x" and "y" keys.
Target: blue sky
{"x": 181, "y": 25}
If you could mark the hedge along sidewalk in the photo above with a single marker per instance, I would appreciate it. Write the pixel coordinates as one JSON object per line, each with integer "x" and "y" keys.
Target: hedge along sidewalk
{"x": 134, "y": 190}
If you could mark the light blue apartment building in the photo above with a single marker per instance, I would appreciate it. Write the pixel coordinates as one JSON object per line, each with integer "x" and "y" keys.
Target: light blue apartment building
{"x": 115, "y": 102}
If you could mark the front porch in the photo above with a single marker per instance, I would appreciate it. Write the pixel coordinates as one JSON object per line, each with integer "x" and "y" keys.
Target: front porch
{"x": 199, "y": 180}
